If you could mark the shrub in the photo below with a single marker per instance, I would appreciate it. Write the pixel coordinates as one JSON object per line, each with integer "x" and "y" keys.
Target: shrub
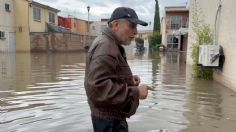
{"x": 155, "y": 40}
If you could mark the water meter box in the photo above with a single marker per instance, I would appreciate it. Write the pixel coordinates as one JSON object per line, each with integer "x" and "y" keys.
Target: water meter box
{"x": 209, "y": 55}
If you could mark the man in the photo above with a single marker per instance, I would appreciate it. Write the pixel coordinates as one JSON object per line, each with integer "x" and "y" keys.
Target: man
{"x": 113, "y": 92}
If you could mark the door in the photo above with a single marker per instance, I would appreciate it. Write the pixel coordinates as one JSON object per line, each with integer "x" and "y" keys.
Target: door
{"x": 12, "y": 42}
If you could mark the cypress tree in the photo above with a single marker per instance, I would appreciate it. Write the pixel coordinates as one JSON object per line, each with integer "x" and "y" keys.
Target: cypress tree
{"x": 156, "y": 27}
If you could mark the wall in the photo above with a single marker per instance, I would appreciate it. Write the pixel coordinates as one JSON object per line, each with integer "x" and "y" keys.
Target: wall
{"x": 225, "y": 37}
{"x": 82, "y": 27}
{"x": 97, "y": 27}
{"x": 22, "y": 26}
{"x": 163, "y": 31}
{"x": 7, "y": 24}
{"x": 59, "y": 42}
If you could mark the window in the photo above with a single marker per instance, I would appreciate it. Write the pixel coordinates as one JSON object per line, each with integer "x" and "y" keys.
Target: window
{"x": 7, "y": 7}
{"x": 37, "y": 14}
{"x": 2, "y": 35}
{"x": 175, "y": 22}
{"x": 172, "y": 42}
{"x": 51, "y": 17}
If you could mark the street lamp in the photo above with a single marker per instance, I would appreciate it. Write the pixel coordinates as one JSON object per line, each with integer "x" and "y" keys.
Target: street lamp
{"x": 88, "y": 8}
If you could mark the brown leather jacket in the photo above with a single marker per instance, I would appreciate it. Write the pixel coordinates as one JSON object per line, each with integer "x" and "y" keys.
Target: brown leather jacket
{"x": 108, "y": 79}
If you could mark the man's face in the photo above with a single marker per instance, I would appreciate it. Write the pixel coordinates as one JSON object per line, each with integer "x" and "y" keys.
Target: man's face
{"x": 126, "y": 31}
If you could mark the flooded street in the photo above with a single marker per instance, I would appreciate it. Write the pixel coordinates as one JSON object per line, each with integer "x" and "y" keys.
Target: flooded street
{"x": 44, "y": 93}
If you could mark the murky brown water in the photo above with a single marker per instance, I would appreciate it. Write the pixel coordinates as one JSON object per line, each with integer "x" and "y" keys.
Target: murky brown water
{"x": 44, "y": 93}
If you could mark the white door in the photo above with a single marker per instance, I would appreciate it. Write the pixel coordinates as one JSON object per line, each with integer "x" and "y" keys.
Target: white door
{"x": 12, "y": 42}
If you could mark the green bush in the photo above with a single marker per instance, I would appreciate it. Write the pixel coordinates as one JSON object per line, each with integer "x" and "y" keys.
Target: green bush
{"x": 204, "y": 36}
{"x": 155, "y": 40}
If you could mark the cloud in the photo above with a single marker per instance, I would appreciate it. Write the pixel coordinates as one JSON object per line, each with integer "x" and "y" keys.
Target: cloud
{"x": 103, "y": 8}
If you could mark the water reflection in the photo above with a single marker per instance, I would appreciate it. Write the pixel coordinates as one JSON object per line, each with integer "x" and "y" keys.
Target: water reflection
{"x": 47, "y": 90}
{"x": 7, "y": 72}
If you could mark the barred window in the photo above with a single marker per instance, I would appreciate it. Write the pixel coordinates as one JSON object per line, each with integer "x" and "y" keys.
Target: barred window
{"x": 51, "y": 17}
{"x": 2, "y": 35}
{"x": 37, "y": 14}
{"x": 175, "y": 22}
{"x": 7, "y": 7}
{"x": 172, "y": 42}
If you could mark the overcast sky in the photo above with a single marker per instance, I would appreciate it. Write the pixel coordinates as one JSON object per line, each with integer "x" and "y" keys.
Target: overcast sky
{"x": 103, "y": 8}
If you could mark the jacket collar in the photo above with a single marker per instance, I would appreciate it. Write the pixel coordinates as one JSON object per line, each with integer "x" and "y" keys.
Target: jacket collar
{"x": 111, "y": 35}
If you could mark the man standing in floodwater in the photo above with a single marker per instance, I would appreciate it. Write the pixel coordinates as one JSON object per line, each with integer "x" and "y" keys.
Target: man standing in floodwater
{"x": 113, "y": 91}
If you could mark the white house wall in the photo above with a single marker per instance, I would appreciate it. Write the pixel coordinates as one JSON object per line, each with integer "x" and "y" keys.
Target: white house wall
{"x": 226, "y": 30}
{"x": 96, "y": 28}
{"x": 163, "y": 31}
{"x": 7, "y": 23}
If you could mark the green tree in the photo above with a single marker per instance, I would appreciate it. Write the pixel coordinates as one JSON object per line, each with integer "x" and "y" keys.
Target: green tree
{"x": 156, "y": 27}
{"x": 155, "y": 40}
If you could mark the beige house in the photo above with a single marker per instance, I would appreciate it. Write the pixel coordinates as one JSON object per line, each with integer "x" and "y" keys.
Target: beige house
{"x": 40, "y": 15}
{"x": 224, "y": 25}
{"x": 97, "y": 27}
{"x": 31, "y": 17}
{"x": 174, "y": 28}
{"x": 22, "y": 25}
{"x": 7, "y": 26}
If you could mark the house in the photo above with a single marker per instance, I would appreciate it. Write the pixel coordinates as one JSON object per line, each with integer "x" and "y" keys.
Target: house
{"x": 65, "y": 22}
{"x": 7, "y": 26}
{"x": 81, "y": 26}
{"x": 97, "y": 27}
{"x": 40, "y": 15}
{"x": 75, "y": 25}
{"x": 219, "y": 15}
{"x": 31, "y": 17}
{"x": 174, "y": 28}
{"x": 144, "y": 34}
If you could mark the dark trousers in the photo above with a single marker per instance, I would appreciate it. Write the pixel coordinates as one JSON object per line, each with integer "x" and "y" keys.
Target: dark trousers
{"x": 109, "y": 125}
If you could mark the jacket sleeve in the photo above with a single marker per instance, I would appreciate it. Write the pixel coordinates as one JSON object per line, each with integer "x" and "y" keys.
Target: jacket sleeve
{"x": 106, "y": 91}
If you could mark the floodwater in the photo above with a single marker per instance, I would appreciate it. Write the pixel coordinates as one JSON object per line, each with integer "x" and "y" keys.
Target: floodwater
{"x": 44, "y": 93}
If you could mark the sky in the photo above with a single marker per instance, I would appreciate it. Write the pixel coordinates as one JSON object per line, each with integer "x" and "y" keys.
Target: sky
{"x": 145, "y": 9}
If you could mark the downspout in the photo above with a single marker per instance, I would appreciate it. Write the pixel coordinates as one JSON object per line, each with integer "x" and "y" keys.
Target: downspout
{"x": 29, "y": 5}
{"x": 216, "y": 18}
{"x": 221, "y": 55}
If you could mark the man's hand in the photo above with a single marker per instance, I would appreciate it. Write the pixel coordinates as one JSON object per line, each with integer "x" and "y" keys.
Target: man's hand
{"x": 143, "y": 91}
{"x": 136, "y": 80}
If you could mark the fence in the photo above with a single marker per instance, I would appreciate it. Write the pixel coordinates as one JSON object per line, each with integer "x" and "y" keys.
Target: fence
{"x": 59, "y": 42}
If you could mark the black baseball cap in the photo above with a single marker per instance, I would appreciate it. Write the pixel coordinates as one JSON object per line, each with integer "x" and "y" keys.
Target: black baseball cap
{"x": 128, "y": 14}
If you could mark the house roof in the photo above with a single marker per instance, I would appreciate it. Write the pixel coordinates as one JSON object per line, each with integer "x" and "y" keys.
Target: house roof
{"x": 145, "y": 31}
{"x": 45, "y": 6}
{"x": 181, "y": 31}
{"x": 176, "y": 8}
